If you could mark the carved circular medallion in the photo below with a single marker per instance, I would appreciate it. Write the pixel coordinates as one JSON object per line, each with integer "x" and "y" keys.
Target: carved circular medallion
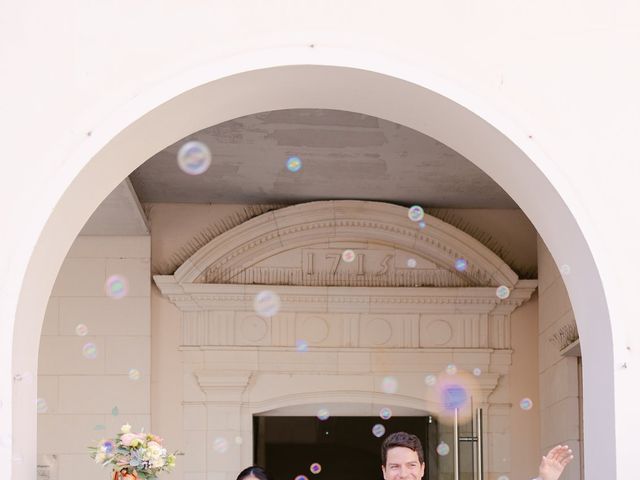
{"x": 254, "y": 328}
{"x": 438, "y": 332}
{"x": 377, "y": 331}
{"x": 314, "y": 329}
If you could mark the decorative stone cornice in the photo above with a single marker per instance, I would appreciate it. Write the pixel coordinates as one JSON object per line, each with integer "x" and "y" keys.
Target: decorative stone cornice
{"x": 200, "y": 297}
{"x": 242, "y": 255}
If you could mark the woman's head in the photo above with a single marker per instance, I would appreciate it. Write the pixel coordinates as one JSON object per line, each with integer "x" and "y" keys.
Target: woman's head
{"x": 254, "y": 472}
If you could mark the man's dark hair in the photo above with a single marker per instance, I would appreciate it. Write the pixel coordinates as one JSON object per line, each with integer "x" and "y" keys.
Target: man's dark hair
{"x": 402, "y": 439}
{"x": 254, "y": 471}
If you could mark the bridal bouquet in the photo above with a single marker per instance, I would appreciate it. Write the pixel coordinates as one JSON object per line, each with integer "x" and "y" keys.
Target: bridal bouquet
{"x": 134, "y": 455}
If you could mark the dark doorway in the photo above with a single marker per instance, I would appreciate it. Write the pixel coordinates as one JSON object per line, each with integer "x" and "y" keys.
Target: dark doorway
{"x": 344, "y": 447}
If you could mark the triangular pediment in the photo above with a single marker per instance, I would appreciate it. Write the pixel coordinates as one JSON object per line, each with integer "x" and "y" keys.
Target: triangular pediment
{"x": 303, "y": 245}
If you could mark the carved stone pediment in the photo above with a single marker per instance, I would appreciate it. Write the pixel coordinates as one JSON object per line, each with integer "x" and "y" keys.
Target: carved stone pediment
{"x": 302, "y": 245}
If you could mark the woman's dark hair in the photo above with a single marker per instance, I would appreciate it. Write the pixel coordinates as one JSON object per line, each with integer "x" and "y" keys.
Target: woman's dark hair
{"x": 254, "y": 471}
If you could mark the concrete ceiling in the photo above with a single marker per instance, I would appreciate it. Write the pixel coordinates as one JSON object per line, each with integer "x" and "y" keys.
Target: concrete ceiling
{"x": 118, "y": 214}
{"x": 344, "y": 156}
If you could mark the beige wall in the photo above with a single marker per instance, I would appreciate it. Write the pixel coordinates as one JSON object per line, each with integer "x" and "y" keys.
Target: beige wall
{"x": 559, "y": 402}
{"x": 81, "y": 393}
{"x": 175, "y": 225}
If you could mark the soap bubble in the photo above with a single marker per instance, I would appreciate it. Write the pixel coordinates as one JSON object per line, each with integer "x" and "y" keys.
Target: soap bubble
{"x": 301, "y": 477}
{"x": 238, "y": 440}
{"x": 220, "y": 445}
{"x": 411, "y": 263}
{"x": 323, "y": 414}
{"x": 107, "y": 446}
{"x": 302, "y": 346}
{"x": 477, "y": 372}
{"x": 502, "y": 292}
{"x": 89, "y": 351}
{"x": 503, "y": 477}
{"x": 100, "y": 427}
{"x": 385, "y": 413}
{"x": 194, "y": 158}
{"x": 378, "y": 430}
{"x": 422, "y": 225}
{"x": 389, "y": 385}
{"x": 115, "y": 411}
{"x": 315, "y": 468}
{"x": 134, "y": 374}
{"x": 348, "y": 256}
{"x": 452, "y": 393}
{"x": 41, "y": 405}
{"x": 81, "y": 329}
{"x": 416, "y": 213}
{"x": 460, "y": 264}
{"x": 565, "y": 269}
{"x": 266, "y": 303}
{"x": 451, "y": 369}
{"x": 442, "y": 449}
{"x": 294, "y": 163}
{"x": 526, "y": 404}
{"x": 116, "y": 287}
{"x": 430, "y": 380}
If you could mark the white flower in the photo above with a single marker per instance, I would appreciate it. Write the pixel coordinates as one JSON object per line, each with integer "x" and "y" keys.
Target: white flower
{"x": 126, "y": 428}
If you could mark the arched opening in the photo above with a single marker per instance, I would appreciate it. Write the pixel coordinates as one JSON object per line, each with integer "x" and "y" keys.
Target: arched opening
{"x": 425, "y": 104}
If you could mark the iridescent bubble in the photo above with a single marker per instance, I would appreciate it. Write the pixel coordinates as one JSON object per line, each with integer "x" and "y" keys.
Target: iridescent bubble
{"x": 451, "y": 394}
{"x": 294, "y": 163}
{"x": 378, "y": 430}
{"x": 565, "y": 269}
{"x": 266, "y": 303}
{"x": 389, "y": 384}
{"x": 503, "y": 477}
{"x": 134, "y": 374}
{"x": 302, "y": 346}
{"x": 477, "y": 372}
{"x": 194, "y": 158}
{"x": 41, "y": 405}
{"x": 220, "y": 445}
{"x": 323, "y": 414}
{"x": 385, "y": 413}
{"x": 502, "y": 292}
{"x": 416, "y": 213}
{"x": 451, "y": 369}
{"x": 107, "y": 447}
{"x": 89, "y": 351}
{"x": 422, "y": 225}
{"x": 442, "y": 449}
{"x": 301, "y": 477}
{"x": 460, "y": 264}
{"x": 526, "y": 404}
{"x": 315, "y": 468}
{"x": 81, "y": 329}
{"x": 238, "y": 440}
{"x": 115, "y": 411}
{"x": 430, "y": 380}
{"x": 116, "y": 287}
{"x": 411, "y": 263}
{"x": 348, "y": 256}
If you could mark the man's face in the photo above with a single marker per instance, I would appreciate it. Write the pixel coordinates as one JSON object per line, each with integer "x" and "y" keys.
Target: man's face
{"x": 402, "y": 464}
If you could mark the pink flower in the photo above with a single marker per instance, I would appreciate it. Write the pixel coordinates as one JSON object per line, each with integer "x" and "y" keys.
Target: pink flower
{"x": 127, "y": 438}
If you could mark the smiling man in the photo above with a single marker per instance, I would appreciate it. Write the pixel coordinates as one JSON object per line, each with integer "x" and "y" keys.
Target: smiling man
{"x": 402, "y": 457}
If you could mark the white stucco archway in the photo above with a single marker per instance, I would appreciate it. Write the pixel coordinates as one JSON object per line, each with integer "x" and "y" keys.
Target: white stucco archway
{"x": 339, "y": 79}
